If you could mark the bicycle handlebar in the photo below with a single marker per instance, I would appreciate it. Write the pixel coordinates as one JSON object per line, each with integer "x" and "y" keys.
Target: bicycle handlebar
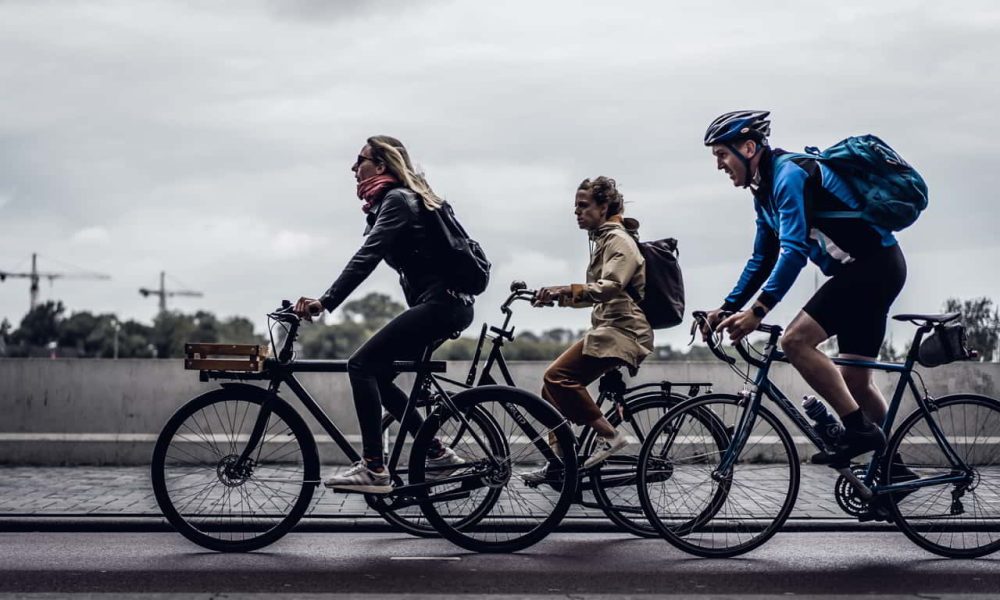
{"x": 715, "y": 345}
{"x": 741, "y": 349}
{"x": 713, "y": 341}
{"x": 518, "y": 291}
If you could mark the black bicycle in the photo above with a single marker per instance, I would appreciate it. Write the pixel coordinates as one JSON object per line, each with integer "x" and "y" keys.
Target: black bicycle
{"x": 937, "y": 479}
{"x": 612, "y": 483}
{"x": 610, "y": 486}
{"x": 235, "y": 469}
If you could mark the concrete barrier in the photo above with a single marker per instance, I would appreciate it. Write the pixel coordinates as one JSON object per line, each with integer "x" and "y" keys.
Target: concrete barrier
{"x": 88, "y": 411}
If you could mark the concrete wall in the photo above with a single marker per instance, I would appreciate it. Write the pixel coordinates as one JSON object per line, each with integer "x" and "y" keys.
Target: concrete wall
{"x": 83, "y": 411}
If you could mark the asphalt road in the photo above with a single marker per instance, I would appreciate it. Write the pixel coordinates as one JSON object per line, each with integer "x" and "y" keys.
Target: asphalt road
{"x": 800, "y": 563}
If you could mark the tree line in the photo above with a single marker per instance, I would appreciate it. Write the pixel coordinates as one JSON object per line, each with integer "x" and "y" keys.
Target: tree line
{"x": 48, "y": 330}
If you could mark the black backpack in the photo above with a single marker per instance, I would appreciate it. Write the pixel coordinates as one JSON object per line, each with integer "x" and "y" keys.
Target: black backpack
{"x": 663, "y": 302}
{"x": 467, "y": 268}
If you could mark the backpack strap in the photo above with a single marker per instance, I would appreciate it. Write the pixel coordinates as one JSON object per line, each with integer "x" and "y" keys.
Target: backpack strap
{"x": 629, "y": 288}
{"x": 809, "y": 163}
{"x": 838, "y": 214}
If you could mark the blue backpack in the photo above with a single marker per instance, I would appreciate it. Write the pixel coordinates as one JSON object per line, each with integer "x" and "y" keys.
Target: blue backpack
{"x": 891, "y": 191}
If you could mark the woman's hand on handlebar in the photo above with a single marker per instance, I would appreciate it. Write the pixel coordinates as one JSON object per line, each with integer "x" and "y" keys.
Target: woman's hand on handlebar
{"x": 307, "y": 308}
{"x": 739, "y": 325}
{"x": 547, "y": 296}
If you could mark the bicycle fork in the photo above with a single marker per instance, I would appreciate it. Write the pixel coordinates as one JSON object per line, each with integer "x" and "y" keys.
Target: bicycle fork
{"x": 750, "y": 399}
{"x": 243, "y": 465}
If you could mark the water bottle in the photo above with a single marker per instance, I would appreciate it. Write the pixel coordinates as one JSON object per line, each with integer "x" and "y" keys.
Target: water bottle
{"x": 827, "y": 424}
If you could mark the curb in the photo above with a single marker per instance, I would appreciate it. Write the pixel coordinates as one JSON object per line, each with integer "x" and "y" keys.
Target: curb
{"x": 13, "y": 522}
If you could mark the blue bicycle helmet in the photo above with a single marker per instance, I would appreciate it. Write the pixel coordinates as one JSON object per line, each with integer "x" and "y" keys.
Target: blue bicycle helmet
{"x": 739, "y": 125}
{"x": 736, "y": 126}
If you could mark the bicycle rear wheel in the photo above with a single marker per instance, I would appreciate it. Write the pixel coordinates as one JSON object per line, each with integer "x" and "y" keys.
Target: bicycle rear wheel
{"x": 701, "y": 510}
{"x": 404, "y": 514}
{"x": 613, "y": 482}
{"x": 511, "y": 514}
{"x": 959, "y": 519}
{"x": 218, "y": 504}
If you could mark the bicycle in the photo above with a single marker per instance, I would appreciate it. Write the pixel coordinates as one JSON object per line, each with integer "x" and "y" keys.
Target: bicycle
{"x": 936, "y": 479}
{"x": 235, "y": 469}
{"x": 612, "y": 483}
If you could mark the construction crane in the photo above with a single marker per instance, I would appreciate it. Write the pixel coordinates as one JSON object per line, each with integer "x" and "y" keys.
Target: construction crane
{"x": 35, "y": 276}
{"x": 163, "y": 293}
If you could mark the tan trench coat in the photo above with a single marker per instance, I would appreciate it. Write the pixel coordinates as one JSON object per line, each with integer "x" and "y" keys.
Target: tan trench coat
{"x": 619, "y": 327}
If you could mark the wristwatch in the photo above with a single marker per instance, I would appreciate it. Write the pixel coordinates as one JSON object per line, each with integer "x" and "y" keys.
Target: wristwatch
{"x": 758, "y": 311}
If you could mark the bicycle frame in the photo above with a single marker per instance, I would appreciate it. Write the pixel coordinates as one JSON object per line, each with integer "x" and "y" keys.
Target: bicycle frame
{"x": 277, "y": 373}
{"x": 612, "y": 386}
{"x": 866, "y": 487}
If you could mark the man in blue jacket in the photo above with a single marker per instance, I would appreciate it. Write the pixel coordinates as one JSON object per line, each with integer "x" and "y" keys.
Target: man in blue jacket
{"x": 866, "y": 268}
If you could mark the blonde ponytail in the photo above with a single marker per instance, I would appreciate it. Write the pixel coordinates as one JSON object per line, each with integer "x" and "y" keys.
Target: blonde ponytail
{"x": 396, "y": 159}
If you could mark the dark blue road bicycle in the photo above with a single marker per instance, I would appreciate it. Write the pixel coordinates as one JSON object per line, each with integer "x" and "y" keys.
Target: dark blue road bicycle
{"x": 937, "y": 478}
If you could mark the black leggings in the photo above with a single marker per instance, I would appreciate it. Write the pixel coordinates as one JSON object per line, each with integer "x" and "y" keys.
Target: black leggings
{"x": 370, "y": 367}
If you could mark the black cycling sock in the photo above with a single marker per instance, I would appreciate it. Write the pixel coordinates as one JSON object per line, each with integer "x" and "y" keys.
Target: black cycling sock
{"x": 855, "y": 420}
{"x": 375, "y": 464}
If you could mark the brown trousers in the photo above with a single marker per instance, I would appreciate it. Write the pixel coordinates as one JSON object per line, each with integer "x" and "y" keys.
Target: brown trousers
{"x": 565, "y": 383}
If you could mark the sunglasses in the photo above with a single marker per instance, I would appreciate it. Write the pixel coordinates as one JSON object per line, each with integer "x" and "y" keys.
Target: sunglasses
{"x": 362, "y": 158}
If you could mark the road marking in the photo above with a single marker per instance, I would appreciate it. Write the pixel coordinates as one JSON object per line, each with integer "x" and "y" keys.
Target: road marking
{"x": 425, "y": 558}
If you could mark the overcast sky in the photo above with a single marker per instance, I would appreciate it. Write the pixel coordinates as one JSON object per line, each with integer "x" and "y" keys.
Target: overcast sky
{"x": 213, "y": 140}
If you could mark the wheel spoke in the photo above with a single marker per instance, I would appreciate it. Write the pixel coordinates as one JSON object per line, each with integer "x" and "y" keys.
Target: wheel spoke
{"x": 210, "y": 497}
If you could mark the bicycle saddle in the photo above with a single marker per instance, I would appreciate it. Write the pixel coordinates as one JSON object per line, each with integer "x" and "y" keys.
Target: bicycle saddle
{"x": 939, "y": 318}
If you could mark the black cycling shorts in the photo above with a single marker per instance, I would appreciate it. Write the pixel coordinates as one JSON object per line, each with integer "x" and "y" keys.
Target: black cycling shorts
{"x": 854, "y": 304}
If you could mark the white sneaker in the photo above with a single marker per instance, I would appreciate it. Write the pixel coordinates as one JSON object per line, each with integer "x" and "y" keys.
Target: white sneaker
{"x": 605, "y": 448}
{"x": 449, "y": 458}
{"x": 535, "y": 477}
{"x": 359, "y": 478}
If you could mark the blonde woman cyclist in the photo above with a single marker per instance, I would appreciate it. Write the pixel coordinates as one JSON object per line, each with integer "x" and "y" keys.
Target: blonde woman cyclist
{"x": 394, "y": 199}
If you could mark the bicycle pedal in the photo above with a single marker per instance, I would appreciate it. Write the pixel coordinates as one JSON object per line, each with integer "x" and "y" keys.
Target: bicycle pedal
{"x": 877, "y": 513}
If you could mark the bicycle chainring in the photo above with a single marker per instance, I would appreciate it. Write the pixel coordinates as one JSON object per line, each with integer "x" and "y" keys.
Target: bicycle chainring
{"x": 847, "y": 497}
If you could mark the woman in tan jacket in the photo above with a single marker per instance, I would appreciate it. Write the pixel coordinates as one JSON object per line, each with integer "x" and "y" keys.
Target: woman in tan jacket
{"x": 619, "y": 335}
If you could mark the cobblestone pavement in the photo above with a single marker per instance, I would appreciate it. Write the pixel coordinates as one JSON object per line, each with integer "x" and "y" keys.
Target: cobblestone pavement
{"x": 127, "y": 492}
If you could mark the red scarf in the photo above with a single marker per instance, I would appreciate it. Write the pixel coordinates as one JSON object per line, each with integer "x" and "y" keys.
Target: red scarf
{"x": 371, "y": 190}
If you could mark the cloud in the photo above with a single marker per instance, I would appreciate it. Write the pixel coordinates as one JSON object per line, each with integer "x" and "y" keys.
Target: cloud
{"x": 214, "y": 139}
{"x": 287, "y": 244}
{"x": 92, "y": 235}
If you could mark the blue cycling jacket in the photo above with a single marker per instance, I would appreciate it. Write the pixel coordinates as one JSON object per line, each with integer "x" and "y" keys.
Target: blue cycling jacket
{"x": 792, "y": 187}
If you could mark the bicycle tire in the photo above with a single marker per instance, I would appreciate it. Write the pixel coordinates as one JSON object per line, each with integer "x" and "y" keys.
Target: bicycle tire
{"x": 188, "y": 450}
{"x": 411, "y": 519}
{"x": 614, "y": 482}
{"x": 705, "y": 529}
{"x": 524, "y": 515}
{"x": 913, "y": 441}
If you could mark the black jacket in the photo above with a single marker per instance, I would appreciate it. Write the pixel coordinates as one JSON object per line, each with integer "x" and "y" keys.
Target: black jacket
{"x": 396, "y": 232}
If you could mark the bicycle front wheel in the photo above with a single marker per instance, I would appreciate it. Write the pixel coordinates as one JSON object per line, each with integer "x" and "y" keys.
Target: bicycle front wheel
{"x": 699, "y": 508}
{"x": 487, "y": 506}
{"x": 960, "y": 518}
{"x": 216, "y": 502}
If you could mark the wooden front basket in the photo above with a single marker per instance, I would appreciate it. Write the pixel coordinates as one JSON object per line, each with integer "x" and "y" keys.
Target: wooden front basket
{"x": 243, "y": 358}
